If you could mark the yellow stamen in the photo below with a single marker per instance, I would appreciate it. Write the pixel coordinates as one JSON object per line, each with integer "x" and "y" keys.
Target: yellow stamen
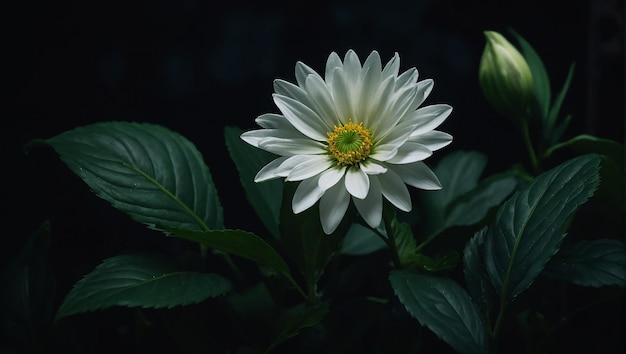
{"x": 349, "y": 143}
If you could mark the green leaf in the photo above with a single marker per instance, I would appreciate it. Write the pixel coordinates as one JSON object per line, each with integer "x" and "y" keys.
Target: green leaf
{"x": 140, "y": 280}
{"x": 590, "y": 263}
{"x": 265, "y": 197}
{"x": 529, "y": 227}
{"x": 239, "y": 243}
{"x": 541, "y": 82}
{"x": 147, "y": 171}
{"x": 443, "y": 306}
{"x": 304, "y": 240}
{"x": 590, "y": 144}
{"x": 298, "y": 318}
{"x": 458, "y": 173}
{"x": 475, "y": 205}
{"x": 361, "y": 241}
{"x": 476, "y": 279}
{"x": 556, "y": 107}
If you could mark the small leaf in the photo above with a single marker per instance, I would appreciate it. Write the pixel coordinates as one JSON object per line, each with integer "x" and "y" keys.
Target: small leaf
{"x": 443, "y": 306}
{"x": 529, "y": 227}
{"x": 541, "y": 82}
{"x": 361, "y": 241}
{"x": 239, "y": 243}
{"x": 590, "y": 144}
{"x": 140, "y": 280}
{"x": 556, "y": 107}
{"x": 265, "y": 197}
{"x": 298, "y": 318}
{"x": 147, "y": 171}
{"x": 590, "y": 263}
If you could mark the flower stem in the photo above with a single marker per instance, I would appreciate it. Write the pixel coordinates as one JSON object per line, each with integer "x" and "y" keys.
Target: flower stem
{"x": 529, "y": 146}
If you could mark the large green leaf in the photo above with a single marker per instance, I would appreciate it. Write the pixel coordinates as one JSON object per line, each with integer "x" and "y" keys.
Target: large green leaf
{"x": 140, "y": 280}
{"x": 529, "y": 227}
{"x": 239, "y": 243}
{"x": 265, "y": 197}
{"x": 590, "y": 263}
{"x": 476, "y": 279}
{"x": 475, "y": 205}
{"x": 147, "y": 171}
{"x": 458, "y": 173}
{"x": 443, "y": 306}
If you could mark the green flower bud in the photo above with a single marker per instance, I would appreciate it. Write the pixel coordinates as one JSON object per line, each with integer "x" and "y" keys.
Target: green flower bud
{"x": 505, "y": 77}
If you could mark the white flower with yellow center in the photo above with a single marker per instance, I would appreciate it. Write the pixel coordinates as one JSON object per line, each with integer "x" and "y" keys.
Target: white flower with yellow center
{"x": 356, "y": 134}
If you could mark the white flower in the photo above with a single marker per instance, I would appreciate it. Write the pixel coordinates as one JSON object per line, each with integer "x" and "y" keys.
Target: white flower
{"x": 356, "y": 134}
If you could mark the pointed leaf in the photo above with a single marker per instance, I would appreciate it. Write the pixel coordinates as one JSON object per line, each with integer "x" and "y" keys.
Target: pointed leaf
{"x": 264, "y": 197}
{"x": 475, "y": 205}
{"x": 590, "y": 263}
{"x": 476, "y": 279}
{"x": 147, "y": 171}
{"x": 590, "y": 144}
{"x": 239, "y": 243}
{"x": 298, "y": 318}
{"x": 529, "y": 227}
{"x": 443, "y": 306}
{"x": 541, "y": 82}
{"x": 556, "y": 106}
{"x": 140, "y": 280}
{"x": 361, "y": 241}
{"x": 458, "y": 173}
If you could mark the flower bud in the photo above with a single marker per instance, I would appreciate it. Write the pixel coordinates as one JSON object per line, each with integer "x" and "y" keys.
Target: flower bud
{"x": 505, "y": 77}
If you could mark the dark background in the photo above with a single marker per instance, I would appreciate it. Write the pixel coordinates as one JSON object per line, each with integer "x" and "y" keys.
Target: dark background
{"x": 197, "y": 66}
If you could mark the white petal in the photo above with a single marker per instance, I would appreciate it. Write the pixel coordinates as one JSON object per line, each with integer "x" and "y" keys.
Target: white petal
{"x": 333, "y": 206}
{"x": 256, "y": 137}
{"x": 302, "y": 71}
{"x": 384, "y": 152}
{"x": 357, "y": 182}
{"x": 330, "y": 177}
{"x": 400, "y": 104}
{"x": 321, "y": 100}
{"x": 372, "y": 168}
{"x": 342, "y": 97}
{"x": 268, "y": 171}
{"x": 379, "y": 104}
{"x": 410, "y": 152}
{"x": 307, "y": 194}
{"x": 408, "y": 77}
{"x": 351, "y": 66}
{"x": 290, "y": 90}
{"x": 280, "y": 146}
{"x": 434, "y": 140}
{"x": 315, "y": 165}
{"x": 418, "y": 175}
{"x": 288, "y": 164}
{"x": 273, "y": 121}
{"x": 392, "y": 67}
{"x": 424, "y": 88}
{"x": 333, "y": 62}
{"x": 302, "y": 117}
{"x": 369, "y": 84}
{"x": 394, "y": 189}
{"x": 371, "y": 208}
{"x": 430, "y": 117}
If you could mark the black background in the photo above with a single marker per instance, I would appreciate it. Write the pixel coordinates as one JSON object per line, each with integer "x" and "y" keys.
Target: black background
{"x": 197, "y": 66}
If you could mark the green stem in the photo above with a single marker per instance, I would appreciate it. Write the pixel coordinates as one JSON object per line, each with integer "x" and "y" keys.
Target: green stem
{"x": 529, "y": 146}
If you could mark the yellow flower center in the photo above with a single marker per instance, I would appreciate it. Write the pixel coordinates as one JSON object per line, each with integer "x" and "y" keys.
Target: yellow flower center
{"x": 349, "y": 143}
